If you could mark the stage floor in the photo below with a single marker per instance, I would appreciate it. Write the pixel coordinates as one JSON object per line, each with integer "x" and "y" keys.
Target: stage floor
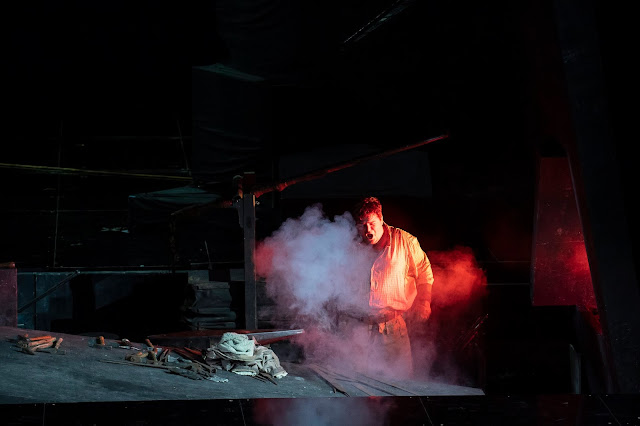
{"x": 76, "y": 388}
{"x": 563, "y": 410}
{"x": 79, "y": 375}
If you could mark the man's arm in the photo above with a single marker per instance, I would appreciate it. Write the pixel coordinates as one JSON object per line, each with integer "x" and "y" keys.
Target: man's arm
{"x": 424, "y": 280}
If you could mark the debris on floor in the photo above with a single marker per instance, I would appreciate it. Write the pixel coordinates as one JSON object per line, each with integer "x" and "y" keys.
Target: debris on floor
{"x": 31, "y": 345}
{"x": 242, "y": 355}
{"x": 186, "y": 362}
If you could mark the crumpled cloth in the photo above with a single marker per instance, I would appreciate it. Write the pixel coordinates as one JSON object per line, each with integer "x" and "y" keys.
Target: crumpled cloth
{"x": 238, "y": 344}
{"x": 237, "y": 359}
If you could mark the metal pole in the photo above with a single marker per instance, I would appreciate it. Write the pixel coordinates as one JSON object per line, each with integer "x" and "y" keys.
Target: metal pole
{"x": 84, "y": 172}
{"x": 249, "y": 227}
{"x": 280, "y": 186}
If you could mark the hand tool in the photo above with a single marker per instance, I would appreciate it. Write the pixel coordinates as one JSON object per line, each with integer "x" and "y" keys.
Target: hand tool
{"x": 139, "y": 357}
{"x": 58, "y": 343}
{"x": 164, "y": 354}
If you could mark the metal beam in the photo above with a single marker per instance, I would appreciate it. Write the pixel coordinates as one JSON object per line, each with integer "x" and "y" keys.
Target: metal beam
{"x": 316, "y": 174}
{"x": 84, "y": 172}
{"x": 381, "y": 18}
{"x": 250, "y": 293}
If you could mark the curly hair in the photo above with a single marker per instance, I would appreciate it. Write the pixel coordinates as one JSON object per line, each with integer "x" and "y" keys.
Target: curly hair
{"x": 367, "y": 206}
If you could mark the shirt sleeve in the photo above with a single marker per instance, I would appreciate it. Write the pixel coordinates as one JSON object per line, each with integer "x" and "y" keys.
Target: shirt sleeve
{"x": 420, "y": 268}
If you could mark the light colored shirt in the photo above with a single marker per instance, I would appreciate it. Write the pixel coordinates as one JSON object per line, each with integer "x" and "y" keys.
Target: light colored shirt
{"x": 401, "y": 273}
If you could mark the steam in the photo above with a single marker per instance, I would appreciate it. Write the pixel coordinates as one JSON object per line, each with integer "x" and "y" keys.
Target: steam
{"x": 458, "y": 277}
{"x": 318, "y": 274}
{"x": 323, "y": 411}
{"x": 458, "y": 292}
{"x": 313, "y": 265}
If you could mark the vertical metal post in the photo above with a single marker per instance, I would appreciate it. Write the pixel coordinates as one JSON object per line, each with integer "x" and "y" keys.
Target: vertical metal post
{"x": 249, "y": 227}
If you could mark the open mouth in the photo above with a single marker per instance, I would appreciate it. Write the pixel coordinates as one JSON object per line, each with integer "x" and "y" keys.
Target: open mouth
{"x": 369, "y": 236}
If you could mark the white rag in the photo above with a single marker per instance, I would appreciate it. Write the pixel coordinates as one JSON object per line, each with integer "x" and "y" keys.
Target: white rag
{"x": 239, "y": 354}
{"x": 237, "y": 344}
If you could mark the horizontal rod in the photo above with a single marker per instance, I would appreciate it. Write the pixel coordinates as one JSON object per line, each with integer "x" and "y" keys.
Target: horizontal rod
{"x": 84, "y": 172}
{"x": 106, "y": 138}
{"x": 261, "y": 190}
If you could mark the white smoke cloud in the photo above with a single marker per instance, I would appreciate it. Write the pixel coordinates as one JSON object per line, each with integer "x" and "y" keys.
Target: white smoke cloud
{"x": 318, "y": 273}
{"x": 313, "y": 265}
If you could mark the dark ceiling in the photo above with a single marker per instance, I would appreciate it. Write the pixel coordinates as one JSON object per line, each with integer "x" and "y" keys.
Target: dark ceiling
{"x": 107, "y": 86}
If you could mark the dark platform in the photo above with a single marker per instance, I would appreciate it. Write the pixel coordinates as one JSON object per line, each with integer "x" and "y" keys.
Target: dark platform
{"x": 365, "y": 411}
{"x": 76, "y": 388}
{"x": 79, "y": 376}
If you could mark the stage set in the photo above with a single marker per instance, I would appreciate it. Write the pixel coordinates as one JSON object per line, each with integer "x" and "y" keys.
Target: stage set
{"x": 84, "y": 382}
{"x": 178, "y": 238}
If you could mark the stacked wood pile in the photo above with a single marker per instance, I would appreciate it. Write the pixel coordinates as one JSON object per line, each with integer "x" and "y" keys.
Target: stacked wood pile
{"x": 207, "y": 304}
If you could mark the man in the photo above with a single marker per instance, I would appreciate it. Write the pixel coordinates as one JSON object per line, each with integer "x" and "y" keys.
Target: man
{"x": 400, "y": 285}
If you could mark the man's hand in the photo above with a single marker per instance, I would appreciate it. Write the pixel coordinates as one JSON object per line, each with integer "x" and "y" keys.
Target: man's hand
{"x": 424, "y": 312}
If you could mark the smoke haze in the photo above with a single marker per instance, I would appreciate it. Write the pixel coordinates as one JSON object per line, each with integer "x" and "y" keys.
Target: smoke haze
{"x": 457, "y": 275}
{"x": 323, "y": 411}
{"x": 458, "y": 292}
{"x": 315, "y": 267}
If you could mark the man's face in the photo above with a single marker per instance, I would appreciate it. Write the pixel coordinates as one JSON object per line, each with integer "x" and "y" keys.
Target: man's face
{"x": 370, "y": 228}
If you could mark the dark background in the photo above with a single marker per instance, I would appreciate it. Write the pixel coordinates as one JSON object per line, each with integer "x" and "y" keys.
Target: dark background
{"x": 111, "y": 87}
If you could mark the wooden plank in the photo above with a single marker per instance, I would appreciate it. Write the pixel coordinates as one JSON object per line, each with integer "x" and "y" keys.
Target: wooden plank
{"x": 333, "y": 383}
